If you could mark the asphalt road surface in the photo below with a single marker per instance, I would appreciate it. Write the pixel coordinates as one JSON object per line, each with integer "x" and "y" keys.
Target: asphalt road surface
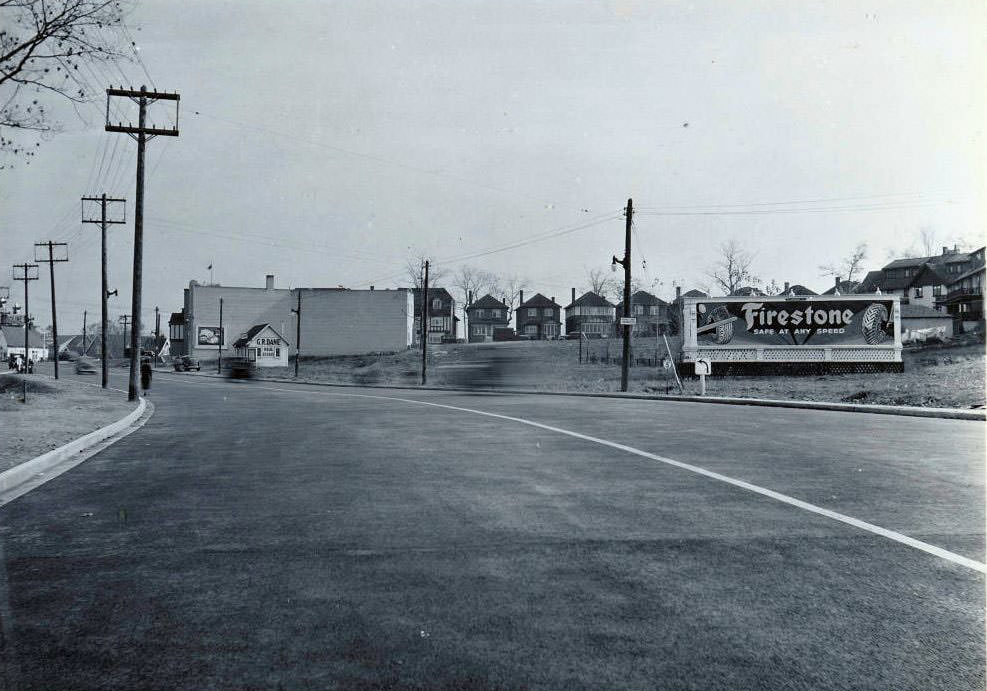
{"x": 262, "y": 535}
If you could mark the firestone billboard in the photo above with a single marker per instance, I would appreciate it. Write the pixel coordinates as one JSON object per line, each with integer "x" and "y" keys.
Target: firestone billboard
{"x": 754, "y": 322}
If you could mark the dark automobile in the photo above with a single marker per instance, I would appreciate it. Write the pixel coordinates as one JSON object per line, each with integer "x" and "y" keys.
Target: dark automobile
{"x": 84, "y": 365}
{"x": 239, "y": 368}
{"x": 186, "y": 363}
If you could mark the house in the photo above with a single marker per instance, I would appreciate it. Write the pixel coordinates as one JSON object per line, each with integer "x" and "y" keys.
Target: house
{"x": 749, "y": 291}
{"x": 590, "y": 314}
{"x": 263, "y": 345}
{"x": 795, "y": 290}
{"x": 485, "y": 316}
{"x": 841, "y": 287}
{"x": 651, "y": 313}
{"x": 675, "y": 310}
{"x": 871, "y": 283}
{"x": 539, "y": 318}
{"x": 442, "y": 319}
{"x": 964, "y": 299}
{"x": 12, "y": 343}
{"x": 923, "y": 280}
{"x": 176, "y": 334}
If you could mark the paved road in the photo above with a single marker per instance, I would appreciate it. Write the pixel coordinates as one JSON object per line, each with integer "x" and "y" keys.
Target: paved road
{"x": 260, "y": 535}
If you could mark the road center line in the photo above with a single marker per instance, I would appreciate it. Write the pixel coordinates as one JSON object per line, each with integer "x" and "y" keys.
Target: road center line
{"x": 763, "y": 491}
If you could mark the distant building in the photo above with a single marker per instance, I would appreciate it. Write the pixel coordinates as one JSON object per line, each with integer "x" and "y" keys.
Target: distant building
{"x": 590, "y": 314}
{"x": 922, "y": 280}
{"x": 264, "y": 346}
{"x": 796, "y": 290}
{"x": 651, "y": 313}
{"x": 919, "y": 317}
{"x": 442, "y": 319}
{"x": 12, "y": 343}
{"x": 484, "y": 317}
{"x": 538, "y": 318}
{"x": 842, "y": 287}
{"x": 964, "y": 299}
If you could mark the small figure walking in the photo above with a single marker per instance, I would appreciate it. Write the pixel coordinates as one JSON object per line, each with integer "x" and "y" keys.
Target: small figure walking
{"x": 145, "y": 374}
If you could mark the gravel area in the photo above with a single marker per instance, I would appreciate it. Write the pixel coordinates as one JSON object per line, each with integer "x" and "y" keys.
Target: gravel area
{"x": 56, "y": 412}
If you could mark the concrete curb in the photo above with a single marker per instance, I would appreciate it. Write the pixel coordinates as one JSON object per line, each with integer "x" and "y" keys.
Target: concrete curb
{"x": 907, "y": 411}
{"x": 20, "y": 474}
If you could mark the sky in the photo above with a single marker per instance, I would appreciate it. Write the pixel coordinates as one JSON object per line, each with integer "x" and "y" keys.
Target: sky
{"x": 328, "y": 142}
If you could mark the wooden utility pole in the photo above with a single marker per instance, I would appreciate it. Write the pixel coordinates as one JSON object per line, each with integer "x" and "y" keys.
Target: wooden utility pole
{"x": 51, "y": 261}
{"x": 142, "y": 133}
{"x": 219, "y": 360}
{"x": 298, "y": 329}
{"x": 105, "y": 293}
{"x": 425, "y": 326}
{"x": 124, "y": 319}
{"x": 626, "y": 263}
{"x": 85, "y": 313}
{"x": 28, "y": 272}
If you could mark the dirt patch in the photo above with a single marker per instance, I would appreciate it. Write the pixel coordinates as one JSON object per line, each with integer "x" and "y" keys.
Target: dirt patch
{"x": 56, "y": 412}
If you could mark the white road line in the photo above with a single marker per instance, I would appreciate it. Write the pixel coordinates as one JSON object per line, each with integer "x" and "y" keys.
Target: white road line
{"x": 763, "y": 491}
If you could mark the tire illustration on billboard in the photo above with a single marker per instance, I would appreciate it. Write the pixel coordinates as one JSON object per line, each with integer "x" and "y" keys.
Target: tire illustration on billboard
{"x": 209, "y": 336}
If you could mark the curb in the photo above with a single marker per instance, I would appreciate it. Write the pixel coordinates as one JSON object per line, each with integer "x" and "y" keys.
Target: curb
{"x": 12, "y": 478}
{"x": 906, "y": 411}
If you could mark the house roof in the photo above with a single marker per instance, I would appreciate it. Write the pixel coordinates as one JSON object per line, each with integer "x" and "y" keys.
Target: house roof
{"x": 871, "y": 282}
{"x": 845, "y": 287}
{"x": 253, "y": 331}
{"x": 488, "y": 301}
{"x": 928, "y": 275}
{"x": 748, "y": 290}
{"x": 176, "y": 318}
{"x": 910, "y": 311}
{"x": 798, "y": 289}
{"x": 590, "y": 299}
{"x": 967, "y": 274}
{"x": 14, "y": 335}
{"x": 643, "y": 297}
{"x": 947, "y": 258}
{"x": 694, "y": 294}
{"x": 539, "y": 300}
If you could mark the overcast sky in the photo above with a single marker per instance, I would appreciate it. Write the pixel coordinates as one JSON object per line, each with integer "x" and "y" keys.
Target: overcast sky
{"x": 325, "y": 142}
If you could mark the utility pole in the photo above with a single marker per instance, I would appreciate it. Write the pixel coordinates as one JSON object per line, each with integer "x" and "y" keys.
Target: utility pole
{"x": 85, "y": 313}
{"x": 51, "y": 261}
{"x": 157, "y": 327}
{"x": 298, "y": 330}
{"x": 219, "y": 360}
{"x": 425, "y": 326}
{"x": 105, "y": 293}
{"x": 28, "y": 272}
{"x": 626, "y": 263}
{"x": 123, "y": 319}
{"x": 141, "y": 134}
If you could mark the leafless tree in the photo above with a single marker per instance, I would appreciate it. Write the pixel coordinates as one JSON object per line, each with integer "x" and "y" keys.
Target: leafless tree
{"x": 43, "y": 43}
{"x": 929, "y": 240}
{"x": 772, "y": 288}
{"x": 602, "y": 282}
{"x": 471, "y": 282}
{"x": 415, "y": 271}
{"x": 848, "y": 267}
{"x": 509, "y": 290}
{"x": 733, "y": 269}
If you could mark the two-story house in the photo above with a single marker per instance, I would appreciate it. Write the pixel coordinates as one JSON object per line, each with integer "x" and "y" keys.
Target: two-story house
{"x": 484, "y": 316}
{"x": 650, "y": 311}
{"x": 538, "y": 318}
{"x": 922, "y": 280}
{"x": 964, "y": 299}
{"x": 591, "y": 314}
{"x": 442, "y": 319}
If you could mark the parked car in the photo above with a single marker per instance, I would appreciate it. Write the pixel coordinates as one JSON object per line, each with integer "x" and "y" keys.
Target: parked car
{"x": 239, "y": 368}
{"x": 186, "y": 363}
{"x": 84, "y": 365}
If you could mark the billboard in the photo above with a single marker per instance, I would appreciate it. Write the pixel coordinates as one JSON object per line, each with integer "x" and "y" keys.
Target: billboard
{"x": 754, "y": 322}
{"x": 209, "y": 336}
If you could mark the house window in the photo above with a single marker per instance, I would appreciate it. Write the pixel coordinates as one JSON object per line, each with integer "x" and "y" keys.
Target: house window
{"x": 437, "y": 304}
{"x": 533, "y": 312}
{"x": 530, "y": 328}
{"x": 937, "y": 291}
{"x": 481, "y": 313}
{"x": 551, "y": 329}
{"x": 177, "y": 332}
{"x": 548, "y": 311}
{"x": 918, "y": 292}
{"x": 638, "y": 309}
{"x": 277, "y": 352}
{"x": 495, "y": 313}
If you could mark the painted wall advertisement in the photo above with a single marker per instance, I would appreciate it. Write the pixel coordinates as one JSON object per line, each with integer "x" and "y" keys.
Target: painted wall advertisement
{"x": 795, "y": 323}
{"x": 209, "y": 336}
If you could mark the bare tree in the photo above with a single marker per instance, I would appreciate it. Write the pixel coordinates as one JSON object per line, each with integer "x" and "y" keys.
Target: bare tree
{"x": 772, "y": 288}
{"x": 474, "y": 283}
{"x": 601, "y": 281}
{"x": 733, "y": 270}
{"x": 929, "y": 241}
{"x": 848, "y": 267}
{"x": 509, "y": 290}
{"x": 415, "y": 271}
{"x": 42, "y": 45}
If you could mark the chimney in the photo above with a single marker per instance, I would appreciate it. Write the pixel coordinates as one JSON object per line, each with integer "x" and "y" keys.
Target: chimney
{"x": 956, "y": 248}
{"x": 945, "y": 249}
{"x": 553, "y": 298}
{"x": 573, "y": 295}
{"x": 786, "y": 286}
{"x": 269, "y": 282}
{"x": 371, "y": 288}
{"x": 678, "y": 292}
{"x": 839, "y": 280}
{"x": 520, "y": 298}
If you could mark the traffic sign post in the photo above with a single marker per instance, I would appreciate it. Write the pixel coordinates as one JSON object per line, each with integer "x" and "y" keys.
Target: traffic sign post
{"x": 703, "y": 369}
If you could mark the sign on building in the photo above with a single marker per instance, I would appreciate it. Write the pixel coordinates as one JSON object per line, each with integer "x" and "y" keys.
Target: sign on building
{"x": 209, "y": 336}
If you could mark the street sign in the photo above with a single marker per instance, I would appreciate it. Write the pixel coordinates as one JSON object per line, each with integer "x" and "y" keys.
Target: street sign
{"x": 703, "y": 368}
{"x": 666, "y": 363}
{"x": 628, "y": 321}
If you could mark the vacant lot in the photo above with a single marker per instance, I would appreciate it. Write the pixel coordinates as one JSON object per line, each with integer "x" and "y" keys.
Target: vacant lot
{"x": 56, "y": 412}
{"x": 940, "y": 376}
